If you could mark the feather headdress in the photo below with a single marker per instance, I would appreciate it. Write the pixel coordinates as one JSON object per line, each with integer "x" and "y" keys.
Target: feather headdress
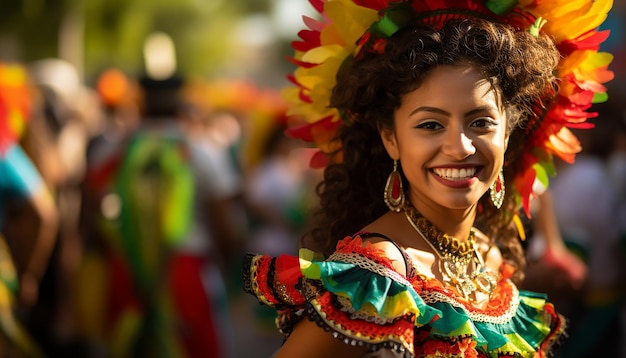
{"x": 348, "y": 27}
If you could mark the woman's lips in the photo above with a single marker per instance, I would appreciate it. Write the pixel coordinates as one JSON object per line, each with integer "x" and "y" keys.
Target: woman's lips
{"x": 456, "y": 177}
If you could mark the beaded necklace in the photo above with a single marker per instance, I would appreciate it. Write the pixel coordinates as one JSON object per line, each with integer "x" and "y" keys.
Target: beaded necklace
{"x": 460, "y": 262}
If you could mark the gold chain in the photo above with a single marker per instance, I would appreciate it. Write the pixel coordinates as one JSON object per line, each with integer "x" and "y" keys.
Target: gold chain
{"x": 455, "y": 257}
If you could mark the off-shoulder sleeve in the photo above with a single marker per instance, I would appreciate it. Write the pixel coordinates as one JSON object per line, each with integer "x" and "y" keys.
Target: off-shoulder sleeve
{"x": 355, "y": 295}
{"x": 358, "y": 297}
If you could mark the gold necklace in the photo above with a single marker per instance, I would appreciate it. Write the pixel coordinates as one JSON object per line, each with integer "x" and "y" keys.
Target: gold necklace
{"x": 459, "y": 261}
{"x": 449, "y": 247}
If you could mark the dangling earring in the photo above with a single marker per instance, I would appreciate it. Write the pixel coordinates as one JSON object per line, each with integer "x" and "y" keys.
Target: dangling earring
{"x": 394, "y": 193}
{"x": 496, "y": 191}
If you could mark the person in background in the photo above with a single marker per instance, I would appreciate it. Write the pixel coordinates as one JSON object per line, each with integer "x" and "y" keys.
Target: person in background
{"x": 100, "y": 207}
{"x": 167, "y": 292}
{"x": 617, "y": 173}
{"x": 28, "y": 218}
{"x": 430, "y": 117}
{"x": 65, "y": 116}
{"x": 278, "y": 194}
{"x": 586, "y": 204}
{"x": 554, "y": 266}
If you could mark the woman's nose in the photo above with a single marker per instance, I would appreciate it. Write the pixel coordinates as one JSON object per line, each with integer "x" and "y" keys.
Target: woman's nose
{"x": 458, "y": 145}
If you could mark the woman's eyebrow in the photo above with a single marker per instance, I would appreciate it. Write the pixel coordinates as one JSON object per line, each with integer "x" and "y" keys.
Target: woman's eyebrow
{"x": 429, "y": 109}
{"x": 446, "y": 113}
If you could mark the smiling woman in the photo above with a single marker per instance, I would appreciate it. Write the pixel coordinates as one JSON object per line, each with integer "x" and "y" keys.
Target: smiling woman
{"x": 417, "y": 251}
{"x": 450, "y": 135}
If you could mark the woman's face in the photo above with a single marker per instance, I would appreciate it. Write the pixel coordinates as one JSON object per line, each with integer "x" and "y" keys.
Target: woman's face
{"x": 450, "y": 137}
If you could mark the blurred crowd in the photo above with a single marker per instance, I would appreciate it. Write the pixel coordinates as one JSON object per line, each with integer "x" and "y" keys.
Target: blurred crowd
{"x": 151, "y": 191}
{"x": 139, "y": 196}
{"x": 587, "y": 203}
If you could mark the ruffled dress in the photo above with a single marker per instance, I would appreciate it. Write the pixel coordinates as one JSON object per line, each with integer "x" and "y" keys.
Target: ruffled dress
{"x": 357, "y": 296}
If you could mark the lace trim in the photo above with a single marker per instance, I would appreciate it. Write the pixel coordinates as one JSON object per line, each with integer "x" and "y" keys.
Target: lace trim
{"x": 251, "y": 279}
{"x": 431, "y": 297}
{"x": 369, "y": 265}
{"x": 315, "y": 316}
{"x": 346, "y": 306}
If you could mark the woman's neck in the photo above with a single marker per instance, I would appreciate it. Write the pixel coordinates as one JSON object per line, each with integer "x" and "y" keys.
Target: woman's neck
{"x": 454, "y": 222}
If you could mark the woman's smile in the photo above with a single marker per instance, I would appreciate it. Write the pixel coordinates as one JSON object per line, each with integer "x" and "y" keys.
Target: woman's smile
{"x": 456, "y": 177}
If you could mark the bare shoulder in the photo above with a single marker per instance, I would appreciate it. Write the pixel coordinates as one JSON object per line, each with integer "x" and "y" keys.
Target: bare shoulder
{"x": 391, "y": 252}
{"x": 382, "y": 234}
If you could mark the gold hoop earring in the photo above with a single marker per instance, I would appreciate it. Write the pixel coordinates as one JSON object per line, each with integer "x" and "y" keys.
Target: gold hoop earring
{"x": 496, "y": 191}
{"x": 394, "y": 193}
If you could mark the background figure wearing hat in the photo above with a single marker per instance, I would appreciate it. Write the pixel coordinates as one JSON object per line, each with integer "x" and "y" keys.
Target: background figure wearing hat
{"x": 424, "y": 261}
{"x": 175, "y": 230}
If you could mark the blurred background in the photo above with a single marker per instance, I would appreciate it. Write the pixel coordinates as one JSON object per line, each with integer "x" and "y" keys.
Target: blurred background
{"x": 143, "y": 154}
{"x": 214, "y": 38}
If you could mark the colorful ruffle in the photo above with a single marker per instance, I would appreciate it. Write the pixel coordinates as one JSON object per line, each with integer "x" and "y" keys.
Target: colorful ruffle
{"x": 355, "y": 294}
{"x": 532, "y": 326}
{"x": 358, "y": 297}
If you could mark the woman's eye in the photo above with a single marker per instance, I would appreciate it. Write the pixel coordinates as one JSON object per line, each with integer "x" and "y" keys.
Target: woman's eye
{"x": 429, "y": 126}
{"x": 484, "y": 123}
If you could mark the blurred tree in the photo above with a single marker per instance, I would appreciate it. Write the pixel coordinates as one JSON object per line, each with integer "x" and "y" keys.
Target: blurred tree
{"x": 29, "y": 28}
{"x": 113, "y": 31}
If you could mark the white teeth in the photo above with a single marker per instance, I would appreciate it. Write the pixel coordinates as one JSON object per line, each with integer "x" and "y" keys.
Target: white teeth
{"x": 455, "y": 174}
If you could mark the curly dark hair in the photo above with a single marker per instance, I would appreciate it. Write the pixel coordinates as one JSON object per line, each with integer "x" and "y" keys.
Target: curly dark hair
{"x": 369, "y": 90}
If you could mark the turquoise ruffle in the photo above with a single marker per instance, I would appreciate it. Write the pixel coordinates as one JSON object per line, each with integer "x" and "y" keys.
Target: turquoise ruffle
{"x": 523, "y": 333}
{"x": 369, "y": 291}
